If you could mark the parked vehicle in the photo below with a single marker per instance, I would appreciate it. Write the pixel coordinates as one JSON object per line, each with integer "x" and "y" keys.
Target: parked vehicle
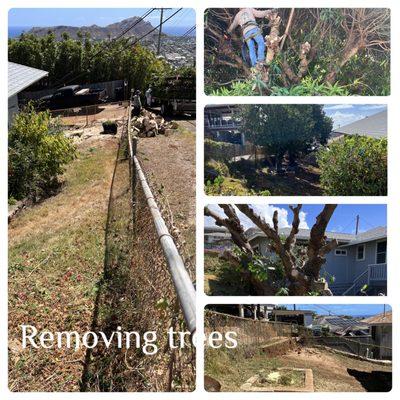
{"x": 175, "y": 95}
{"x": 72, "y": 96}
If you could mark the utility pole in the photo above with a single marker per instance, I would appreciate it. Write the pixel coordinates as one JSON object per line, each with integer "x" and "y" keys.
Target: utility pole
{"x": 357, "y": 223}
{"x": 160, "y": 29}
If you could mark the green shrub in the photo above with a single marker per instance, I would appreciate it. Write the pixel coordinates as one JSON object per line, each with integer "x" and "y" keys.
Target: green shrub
{"x": 311, "y": 87}
{"x": 354, "y": 166}
{"x": 213, "y": 168}
{"x": 37, "y": 153}
{"x": 218, "y": 151}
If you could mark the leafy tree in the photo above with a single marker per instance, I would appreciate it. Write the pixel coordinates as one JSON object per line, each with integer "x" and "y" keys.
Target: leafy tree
{"x": 285, "y": 129}
{"x": 82, "y": 60}
{"x": 354, "y": 166}
{"x": 37, "y": 153}
{"x": 318, "y": 51}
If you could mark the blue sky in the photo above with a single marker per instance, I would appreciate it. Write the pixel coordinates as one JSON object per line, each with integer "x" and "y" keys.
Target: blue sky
{"x": 343, "y": 114}
{"x": 90, "y": 16}
{"x": 342, "y": 309}
{"x": 343, "y": 219}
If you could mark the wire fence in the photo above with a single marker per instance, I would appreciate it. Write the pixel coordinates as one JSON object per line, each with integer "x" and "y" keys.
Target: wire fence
{"x": 249, "y": 331}
{"x": 89, "y": 115}
{"x": 137, "y": 294}
{"x": 164, "y": 287}
{"x": 258, "y": 332}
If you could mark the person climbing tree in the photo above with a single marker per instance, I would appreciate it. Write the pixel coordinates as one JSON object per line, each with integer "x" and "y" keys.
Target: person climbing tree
{"x": 252, "y": 34}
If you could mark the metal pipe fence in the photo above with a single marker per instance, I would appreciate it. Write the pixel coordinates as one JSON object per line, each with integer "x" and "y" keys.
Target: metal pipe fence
{"x": 164, "y": 289}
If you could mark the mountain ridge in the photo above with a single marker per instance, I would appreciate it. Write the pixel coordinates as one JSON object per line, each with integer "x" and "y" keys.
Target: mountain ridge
{"x": 97, "y": 32}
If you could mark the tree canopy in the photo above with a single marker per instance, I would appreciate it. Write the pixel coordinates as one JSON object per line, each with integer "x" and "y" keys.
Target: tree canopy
{"x": 286, "y": 128}
{"x": 70, "y": 61}
{"x": 310, "y": 51}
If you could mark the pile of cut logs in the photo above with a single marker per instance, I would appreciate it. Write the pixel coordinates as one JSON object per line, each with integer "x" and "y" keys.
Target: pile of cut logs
{"x": 148, "y": 124}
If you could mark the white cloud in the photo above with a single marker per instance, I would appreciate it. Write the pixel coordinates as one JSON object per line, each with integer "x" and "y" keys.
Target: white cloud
{"x": 338, "y": 107}
{"x": 341, "y": 119}
{"x": 373, "y": 106}
{"x": 267, "y": 212}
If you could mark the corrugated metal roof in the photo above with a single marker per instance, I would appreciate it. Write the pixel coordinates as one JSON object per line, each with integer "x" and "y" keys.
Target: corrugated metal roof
{"x": 20, "y": 77}
{"x": 374, "y": 125}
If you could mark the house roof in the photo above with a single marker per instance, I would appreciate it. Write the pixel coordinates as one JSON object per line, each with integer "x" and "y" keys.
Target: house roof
{"x": 373, "y": 125}
{"x": 20, "y": 77}
{"x": 340, "y": 324}
{"x": 214, "y": 229}
{"x": 379, "y": 319}
{"x": 377, "y": 233}
{"x": 304, "y": 234}
{"x": 345, "y": 239}
{"x": 292, "y": 312}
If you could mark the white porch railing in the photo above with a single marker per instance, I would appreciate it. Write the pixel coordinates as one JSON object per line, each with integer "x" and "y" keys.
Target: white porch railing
{"x": 374, "y": 272}
{"x": 378, "y": 272}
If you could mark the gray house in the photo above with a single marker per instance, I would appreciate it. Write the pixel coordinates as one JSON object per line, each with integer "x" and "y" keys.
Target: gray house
{"x": 359, "y": 261}
{"x": 20, "y": 77}
{"x": 381, "y": 332}
{"x": 217, "y": 238}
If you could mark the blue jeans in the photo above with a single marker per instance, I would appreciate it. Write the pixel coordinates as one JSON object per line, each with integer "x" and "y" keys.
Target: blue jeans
{"x": 252, "y": 48}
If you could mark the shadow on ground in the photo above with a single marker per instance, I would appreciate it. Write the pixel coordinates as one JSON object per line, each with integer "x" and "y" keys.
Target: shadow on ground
{"x": 374, "y": 381}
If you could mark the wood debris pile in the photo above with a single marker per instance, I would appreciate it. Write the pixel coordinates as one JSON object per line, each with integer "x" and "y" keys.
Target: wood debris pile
{"x": 148, "y": 124}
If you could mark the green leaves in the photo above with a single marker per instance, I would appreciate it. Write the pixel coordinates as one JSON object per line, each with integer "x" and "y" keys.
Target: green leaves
{"x": 354, "y": 166}
{"x": 38, "y": 152}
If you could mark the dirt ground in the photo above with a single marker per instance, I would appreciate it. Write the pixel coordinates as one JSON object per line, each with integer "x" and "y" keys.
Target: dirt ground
{"x": 332, "y": 372}
{"x": 335, "y": 372}
{"x": 170, "y": 164}
{"x": 304, "y": 182}
{"x": 89, "y": 115}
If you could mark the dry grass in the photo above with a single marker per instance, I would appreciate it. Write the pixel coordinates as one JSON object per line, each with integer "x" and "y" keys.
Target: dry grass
{"x": 170, "y": 164}
{"x": 56, "y": 254}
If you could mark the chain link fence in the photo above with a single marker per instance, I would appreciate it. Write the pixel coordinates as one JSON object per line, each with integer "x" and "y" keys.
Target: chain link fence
{"x": 136, "y": 294}
{"x": 249, "y": 331}
{"x": 89, "y": 115}
{"x": 258, "y": 332}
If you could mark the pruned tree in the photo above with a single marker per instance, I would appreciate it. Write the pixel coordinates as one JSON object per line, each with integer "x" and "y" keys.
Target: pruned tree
{"x": 320, "y": 42}
{"x": 302, "y": 271}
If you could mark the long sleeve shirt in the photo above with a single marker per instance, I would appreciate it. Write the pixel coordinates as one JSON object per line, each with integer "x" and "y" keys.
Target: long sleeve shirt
{"x": 246, "y": 18}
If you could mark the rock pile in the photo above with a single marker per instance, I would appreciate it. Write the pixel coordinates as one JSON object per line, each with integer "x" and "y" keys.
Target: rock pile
{"x": 148, "y": 124}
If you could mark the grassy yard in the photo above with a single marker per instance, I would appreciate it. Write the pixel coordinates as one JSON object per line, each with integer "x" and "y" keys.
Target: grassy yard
{"x": 56, "y": 257}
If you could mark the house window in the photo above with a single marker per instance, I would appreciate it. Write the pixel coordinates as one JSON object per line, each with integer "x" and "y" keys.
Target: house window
{"x": 360, "y": 255}
{"x": 381, "y": 252}
{"x": 340, "y": 252}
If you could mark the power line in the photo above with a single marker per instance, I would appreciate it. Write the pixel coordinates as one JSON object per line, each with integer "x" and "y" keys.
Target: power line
{"x": 189, "y": 31}
{"x": 148, "y": 33}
